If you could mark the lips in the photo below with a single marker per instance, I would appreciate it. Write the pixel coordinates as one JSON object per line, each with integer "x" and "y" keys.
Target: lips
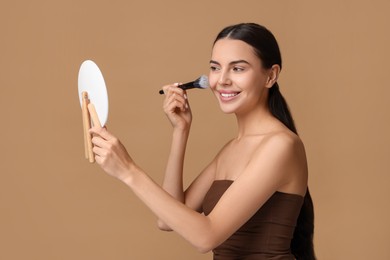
{"x": 227, "y": 96}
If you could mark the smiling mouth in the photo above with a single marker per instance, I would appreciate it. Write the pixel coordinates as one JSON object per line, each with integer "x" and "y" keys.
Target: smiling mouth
{"x": 229, "y": 95}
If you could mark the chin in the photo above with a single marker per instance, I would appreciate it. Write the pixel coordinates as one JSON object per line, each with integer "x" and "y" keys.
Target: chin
{"x": 226, "y": 109}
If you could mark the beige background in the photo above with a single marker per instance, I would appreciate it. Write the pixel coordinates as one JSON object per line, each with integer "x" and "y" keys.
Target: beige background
{"x": 55, "y": 205}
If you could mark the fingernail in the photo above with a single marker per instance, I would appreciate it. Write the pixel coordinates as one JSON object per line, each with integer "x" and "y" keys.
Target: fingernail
{"x": 185, "y": 96}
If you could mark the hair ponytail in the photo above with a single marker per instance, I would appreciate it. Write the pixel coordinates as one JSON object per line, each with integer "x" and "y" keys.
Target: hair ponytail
{"x": 302, "y": 243}
{"x": 279, "y": 108}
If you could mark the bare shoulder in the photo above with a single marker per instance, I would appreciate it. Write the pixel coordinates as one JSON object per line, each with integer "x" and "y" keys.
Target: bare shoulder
{"x": 282, "y": 141}
{"x": 284, "y": 147}
{"x": 282, "y": 155}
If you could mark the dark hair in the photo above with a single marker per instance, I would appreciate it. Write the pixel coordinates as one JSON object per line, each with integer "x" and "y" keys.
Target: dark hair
{"x": 267, "y": 49}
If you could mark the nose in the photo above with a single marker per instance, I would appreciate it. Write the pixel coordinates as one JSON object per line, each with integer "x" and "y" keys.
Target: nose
{"x": 224, "y": 79}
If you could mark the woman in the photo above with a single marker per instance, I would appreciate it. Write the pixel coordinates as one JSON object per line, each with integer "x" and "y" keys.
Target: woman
{"x": 246, "y": 203}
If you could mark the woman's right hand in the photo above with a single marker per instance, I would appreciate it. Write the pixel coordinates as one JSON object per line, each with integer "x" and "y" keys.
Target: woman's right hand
{"x": 176, "y": 107}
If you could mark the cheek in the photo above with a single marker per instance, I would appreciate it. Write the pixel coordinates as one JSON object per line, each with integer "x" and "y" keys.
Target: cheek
{"x": 213, "y": 80}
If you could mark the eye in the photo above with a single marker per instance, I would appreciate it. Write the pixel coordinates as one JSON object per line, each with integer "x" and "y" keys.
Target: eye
{"x": 214, "y": 68}
{"x": 238, "y": 69}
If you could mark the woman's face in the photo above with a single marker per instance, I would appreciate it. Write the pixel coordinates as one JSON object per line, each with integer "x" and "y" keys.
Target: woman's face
{"x": 237, "y": 76}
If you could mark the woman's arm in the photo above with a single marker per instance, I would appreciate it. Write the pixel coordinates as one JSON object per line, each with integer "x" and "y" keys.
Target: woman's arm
{"x": 173, "y": 178}
{"x": 193, "y": 196}
{"x": 271, "y": 167}
{"x": 112, "y": 156}
{"x": 177, "y": 109}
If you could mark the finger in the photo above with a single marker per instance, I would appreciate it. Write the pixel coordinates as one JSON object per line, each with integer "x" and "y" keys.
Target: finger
{"x": 98, "y": 141}
{"x": 168, "y": 88}
{"x": 173, "y": 96}
{"x": 177, "y": 98}
{"x": 102, "y": 132}
{"x": 99, "y": 152}
{"x": 99, "y": 160}
{"x": 175, "y": 102}
{"x": 172, "y": 92}
{"x": 184, "y": 101}
{"x": 187, "y": 104}
{"x": 177, "y": 94}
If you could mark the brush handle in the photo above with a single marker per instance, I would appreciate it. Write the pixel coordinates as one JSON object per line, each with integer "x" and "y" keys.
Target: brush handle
{"x": 182, "y": 86}
{"x": 201, "y": 82}
{"x": 87, "y": 125}
{"x": 84, "y": 115}
{"x": 94, "y": 115}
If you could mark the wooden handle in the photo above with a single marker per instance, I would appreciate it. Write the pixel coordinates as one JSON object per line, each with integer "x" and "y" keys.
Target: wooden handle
{"x": 94, "y": 115}
{"x": 83, "y": 106}
{"x": 87, "y": 125}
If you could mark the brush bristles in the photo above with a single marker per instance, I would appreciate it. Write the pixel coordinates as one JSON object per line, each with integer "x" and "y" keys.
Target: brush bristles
{"x": 203, "y": 82}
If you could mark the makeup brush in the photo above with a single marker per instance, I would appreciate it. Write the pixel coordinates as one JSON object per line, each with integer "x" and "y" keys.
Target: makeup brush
{"x": 201, "y": 82}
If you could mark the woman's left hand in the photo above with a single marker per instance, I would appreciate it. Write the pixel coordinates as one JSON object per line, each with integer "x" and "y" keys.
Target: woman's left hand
{"x": 110, "y": 153}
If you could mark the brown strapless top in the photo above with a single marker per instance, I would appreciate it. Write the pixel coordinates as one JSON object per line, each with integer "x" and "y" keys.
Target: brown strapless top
{"x": 267, "y": 235}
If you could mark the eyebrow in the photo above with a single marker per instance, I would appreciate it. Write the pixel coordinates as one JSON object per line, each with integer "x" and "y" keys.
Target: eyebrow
{"x": 230, "y": 63}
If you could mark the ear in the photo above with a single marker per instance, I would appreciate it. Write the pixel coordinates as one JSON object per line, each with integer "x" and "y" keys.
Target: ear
{"x": 273, "y": 75}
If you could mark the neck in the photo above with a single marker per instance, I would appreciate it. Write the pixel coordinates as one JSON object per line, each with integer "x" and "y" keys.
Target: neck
{"x": 254, "y": 122}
